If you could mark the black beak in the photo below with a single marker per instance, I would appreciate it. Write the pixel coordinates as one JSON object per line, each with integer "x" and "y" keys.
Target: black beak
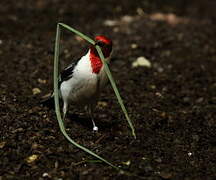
{"x": 96, "y": 43}
{"x": 99, "y": 43}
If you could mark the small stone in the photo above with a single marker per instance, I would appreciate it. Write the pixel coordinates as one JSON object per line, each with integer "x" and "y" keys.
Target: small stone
{"x": 110, "y": 23}
{"x": 85, "y": 172}
{"x": 102, "y": 104}
{"x": 140, "y": 12}
{"x": 116, "y": 29}
{"x": 200, "y": 100}
{"x": 166, "y": 175}
{"x": 141, "y": 61}
{"x": 189, "y": 154}
{"x": 36, "y": 91}
{"x": 34, "y": 146}
{"x": 42, "y": 81}
{"x": 46, "y": 175}
{"x": 127, "y": 163}
{"x": 153, "y": 86}
{"x": 163, "y": 114}
{"x": 17, "y": 130}
{"x": 186, "y": 99}
{"x": 29, "y": 46}
{"x": 164, "y": 89}
{"x": 170, "y": 66}
{"x": 160, "y": 69}
{"x": 2, "y": 144}
{"x": 159, "y": 160}
{"x": 134, "y": 46}
{"x": 144, "y": 158}
{"x": 56, "y": 164}
{"x": 127, "y": 19}
{"x": 166, "y": 53}
{"x": 159, "y": 94}
{"x": 32, "y": 158}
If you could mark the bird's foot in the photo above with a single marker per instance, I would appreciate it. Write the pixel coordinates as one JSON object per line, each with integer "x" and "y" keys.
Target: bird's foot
{"x": 95, "y": 129}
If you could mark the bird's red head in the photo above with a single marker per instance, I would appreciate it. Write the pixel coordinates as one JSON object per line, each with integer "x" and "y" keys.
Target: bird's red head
{"x": 105, "y": 44}
{"x": 106, "y": 47}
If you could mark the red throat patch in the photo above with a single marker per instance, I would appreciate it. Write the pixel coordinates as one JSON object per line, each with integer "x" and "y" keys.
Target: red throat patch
{"x": 96, "y": 62}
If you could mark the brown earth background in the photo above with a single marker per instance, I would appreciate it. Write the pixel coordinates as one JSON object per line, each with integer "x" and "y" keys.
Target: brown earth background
{"x": 172, "y": 103}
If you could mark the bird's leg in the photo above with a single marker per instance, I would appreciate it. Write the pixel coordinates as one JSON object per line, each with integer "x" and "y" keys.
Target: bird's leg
{"x": 65, "y": 106}
{"x": 90, "y": 112}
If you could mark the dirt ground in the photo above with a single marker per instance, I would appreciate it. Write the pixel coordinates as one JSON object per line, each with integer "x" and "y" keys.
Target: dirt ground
{"x": 172, "y": 103}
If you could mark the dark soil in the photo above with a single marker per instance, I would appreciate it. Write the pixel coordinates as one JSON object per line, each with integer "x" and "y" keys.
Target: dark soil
{"x": 172, "y": 104}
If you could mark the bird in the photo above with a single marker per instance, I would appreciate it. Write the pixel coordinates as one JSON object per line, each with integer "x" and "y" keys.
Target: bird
{"x": 81, "y": 82}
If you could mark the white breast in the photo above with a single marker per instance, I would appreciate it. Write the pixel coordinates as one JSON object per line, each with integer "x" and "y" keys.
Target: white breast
{"x": 82, "y": 87}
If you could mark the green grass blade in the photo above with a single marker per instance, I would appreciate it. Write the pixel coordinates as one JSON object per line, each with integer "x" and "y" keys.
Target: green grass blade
{"x": 78, "y": 33}
{"x": 116, "y": 90}
{"x": 57, "y": 107}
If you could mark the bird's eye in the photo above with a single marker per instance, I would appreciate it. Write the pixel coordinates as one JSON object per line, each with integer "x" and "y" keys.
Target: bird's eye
{"x": 99, "y": 43}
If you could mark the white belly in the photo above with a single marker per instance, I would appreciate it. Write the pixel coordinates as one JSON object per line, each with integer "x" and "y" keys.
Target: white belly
{"x": 80, "y": 91}
{"x": 84, "y": 86}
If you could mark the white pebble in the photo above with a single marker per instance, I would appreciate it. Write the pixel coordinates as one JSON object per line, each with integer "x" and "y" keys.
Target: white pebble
{"x": 141, "y": 61}
{"x": 189, "y": 154}
{"x": 127, "y": 19}
{"x": 133, "y": 46}
{"x": 45, "y": 175}
{"x": 110, "y": 23}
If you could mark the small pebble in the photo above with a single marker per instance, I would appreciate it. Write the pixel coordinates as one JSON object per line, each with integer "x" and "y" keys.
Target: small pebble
{"x": 140, "y": 12}
{"x": 127, "y": 19}
{"x": 189, "y": 154}
{"x": 200, "y": 100}
{"x": 45, "y": 175}
{"x": 42, "y": 81}
{"x": 165, "y": 175}
{"x": 32, "y": 158}
{"x": 160, "y": 69}
{"x": 36, "y": 91}
{"x": 159, "y": 160}
{"x": 2, "y": 144}
{"x": 186, "y": 99}
{"x": 134, "y": 46}
{"x": 141, "y": 61}
{"x": 110, "y": 23}
{"x": 127, "y": 163}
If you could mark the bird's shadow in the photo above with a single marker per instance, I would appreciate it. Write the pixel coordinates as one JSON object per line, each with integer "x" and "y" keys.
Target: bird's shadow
{"x": 87, "y": 123}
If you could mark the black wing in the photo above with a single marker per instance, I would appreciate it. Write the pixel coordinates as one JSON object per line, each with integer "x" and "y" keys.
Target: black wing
{"x": 67, "y": 73}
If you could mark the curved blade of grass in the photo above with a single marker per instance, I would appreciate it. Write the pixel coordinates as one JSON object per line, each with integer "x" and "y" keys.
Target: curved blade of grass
{"x": 77, "y": 32}
{"x": 115, "y": 89}
{"x": 57, "y": 107}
